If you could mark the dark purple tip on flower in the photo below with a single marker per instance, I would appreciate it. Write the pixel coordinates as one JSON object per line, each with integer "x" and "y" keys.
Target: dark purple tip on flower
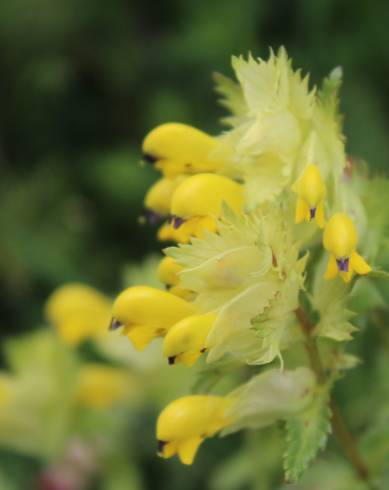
{"x": 151, "y": 159}
{"x": 114, "y": 325}
{"x": 177, "y": 221}
{"x": 312, "y": 213}
{"x": 342, "y": 264}
{"x": 161, "y": 445}
{"x": 153, "y": 218}
{"x": 171, "y": 360}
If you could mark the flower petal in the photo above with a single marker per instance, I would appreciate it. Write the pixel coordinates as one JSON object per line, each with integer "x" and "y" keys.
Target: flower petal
{"x": 359, "y": 264}
{"x": 332, "y": 268}
{"x": 347, "y": 276}
{"x": 140, "y": 337}
{"x": 187, "y": 449}
{"x": 302, "y": 211}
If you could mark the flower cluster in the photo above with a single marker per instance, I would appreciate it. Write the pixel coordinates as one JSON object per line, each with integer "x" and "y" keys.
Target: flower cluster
{"x": 252, "y": 212}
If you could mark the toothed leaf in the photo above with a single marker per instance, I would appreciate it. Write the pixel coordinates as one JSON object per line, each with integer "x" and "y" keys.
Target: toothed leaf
{"x": 306, "y": 434}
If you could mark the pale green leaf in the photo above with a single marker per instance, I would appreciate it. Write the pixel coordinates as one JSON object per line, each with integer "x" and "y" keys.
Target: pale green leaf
{"x": 231, "y": 97}
{"x": 379, "y": 274}
{"x": 306, "y": 434}
{"x": 333, "y": 356}
{"x": 375, "y": 241}
{"x": 329, "y": 91}
{"x": 329, "y": 299}
{"x": 273, "y": 325}
{"x": 270, "y": 396}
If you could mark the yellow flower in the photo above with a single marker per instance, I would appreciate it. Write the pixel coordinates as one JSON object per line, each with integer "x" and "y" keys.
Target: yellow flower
{"x": 5, "y": 390}
{"x": 181, "y": 231}
{"x": 78, "y": 312}
{"x": 340, "y": 239}
{"x": 101, "y": 386}
{"x": 311, "y": 190}
{"x": 186, "y": 340}
{"x": 146, "y": 313}
{"x": 177, "y": 149}
{"x": 185, "y": 423}
{"x": 158, "y": 199}
{"x": 197, "y": 203}
{"x": 168, "y": 273}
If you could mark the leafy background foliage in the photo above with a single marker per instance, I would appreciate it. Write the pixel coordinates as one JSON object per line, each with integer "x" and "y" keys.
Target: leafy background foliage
{"x": 81, "y": 83}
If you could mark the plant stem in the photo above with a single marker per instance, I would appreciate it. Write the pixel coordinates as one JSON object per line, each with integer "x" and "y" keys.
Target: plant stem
{"x": 339, "y": 426}
{"x": 310, "y": 345}
{"x": 346, "y": 439}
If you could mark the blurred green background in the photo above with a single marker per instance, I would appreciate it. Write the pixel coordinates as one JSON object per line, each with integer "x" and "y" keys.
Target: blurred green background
{"x": 81, "y": 84}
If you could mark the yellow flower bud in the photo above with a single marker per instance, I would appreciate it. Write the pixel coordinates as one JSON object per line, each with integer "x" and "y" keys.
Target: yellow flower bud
{"x": 186, "y": 340}
{"x": 166, "y": 233}
{"x": 146, "y": 313}
{"x": 158, "y": 198}
{"x": 197, "y": 203}
{"x": 311, "y": 191}
{"x": 101, "y": 386}
{"x": 183, "y": 293}
{"x": 78, "y": 312}
{"x": 177, "y": 149}
{"x": 168, "y": 271}
{"x": 204, "y": 194}
{"x": 182, "y": 231}
{"x": 185, "y": 423}
{"x": 5, "y": 390}
{"x": 340, "y": 239}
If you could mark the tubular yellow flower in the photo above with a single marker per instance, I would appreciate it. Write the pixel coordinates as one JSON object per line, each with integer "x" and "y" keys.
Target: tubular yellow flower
{"x": 186, "y": 340}
{"x": 5, "y": 390}
{"x": 197, "y": 203}
{"x": 158, "y": 199}
{"x": 340, "y": 239}
{"x": 167, "y": 273}
{"x": 182, "y": 230}
{"x": 78, "y": 312}
{"x": 101, "y": 386}
{"x": 177, "y": 149}
{"x": 185, "y": 423}
{"x": 311, "y": 191}
{"x": 146, "y": 313}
